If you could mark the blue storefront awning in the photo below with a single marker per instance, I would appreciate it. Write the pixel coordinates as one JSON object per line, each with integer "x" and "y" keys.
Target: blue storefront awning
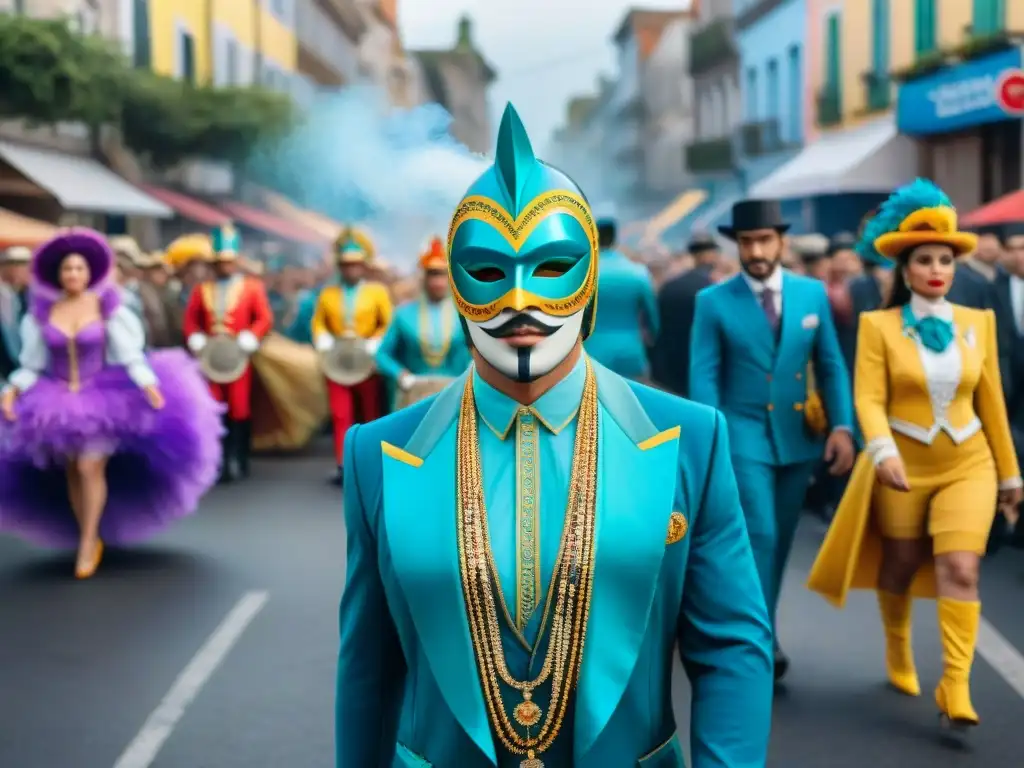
{"x": 985, "y": 90}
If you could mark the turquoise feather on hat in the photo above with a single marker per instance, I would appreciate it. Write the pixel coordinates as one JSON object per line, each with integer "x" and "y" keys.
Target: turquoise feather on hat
{"x": 919, "y": 194}
{"x": 226, "y": 241}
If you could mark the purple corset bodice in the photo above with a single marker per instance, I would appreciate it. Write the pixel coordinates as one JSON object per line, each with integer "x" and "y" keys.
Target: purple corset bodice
{"x": 80, "y": 357}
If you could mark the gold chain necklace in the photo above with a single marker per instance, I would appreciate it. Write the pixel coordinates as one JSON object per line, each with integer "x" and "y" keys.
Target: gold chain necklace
{"x": 434, "y": 355}
{"x": 574, "y": 574}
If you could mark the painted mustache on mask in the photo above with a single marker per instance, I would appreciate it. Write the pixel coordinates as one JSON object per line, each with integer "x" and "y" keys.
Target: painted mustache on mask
{"x": 521, "y": 323}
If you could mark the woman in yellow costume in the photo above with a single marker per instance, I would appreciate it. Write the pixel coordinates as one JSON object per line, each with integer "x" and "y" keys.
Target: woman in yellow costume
{"x": 915, "y": 518}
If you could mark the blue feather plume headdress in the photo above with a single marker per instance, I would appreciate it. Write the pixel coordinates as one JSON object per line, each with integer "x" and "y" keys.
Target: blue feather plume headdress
{"x": 920, "y": 193}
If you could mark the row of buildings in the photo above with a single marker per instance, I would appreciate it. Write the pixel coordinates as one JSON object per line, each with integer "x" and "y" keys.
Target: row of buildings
{"x": 826, "y": 104}
{"x": 302, "y": 47}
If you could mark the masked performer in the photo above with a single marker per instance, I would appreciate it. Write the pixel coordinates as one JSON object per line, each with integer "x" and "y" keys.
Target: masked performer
{"x": 469, "y": 605}
{"x": 356, "y": 307}
{"x": 235, "y": 305}
{"x": 915, "y": 518}
{"x": 100, "y": 442}
{"x": 425, "y": 340}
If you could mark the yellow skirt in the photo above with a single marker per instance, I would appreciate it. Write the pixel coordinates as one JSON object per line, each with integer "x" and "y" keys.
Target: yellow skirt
{"x": 952, "y": 498}
{"x": 289, "y": 399}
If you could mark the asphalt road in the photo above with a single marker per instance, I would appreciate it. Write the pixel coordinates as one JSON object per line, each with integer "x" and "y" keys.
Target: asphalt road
{"x": 83, "y": 665}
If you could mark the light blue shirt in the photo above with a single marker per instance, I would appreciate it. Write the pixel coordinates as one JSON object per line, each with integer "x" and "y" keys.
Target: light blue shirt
{"x": 504, "y": 431}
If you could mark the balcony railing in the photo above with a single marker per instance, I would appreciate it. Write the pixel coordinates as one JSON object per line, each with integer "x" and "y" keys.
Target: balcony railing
{"x": 711, "y": 155}
{"x": 712, "y": 45}
{"x": 755, "y": 11}
{"x": 322, "y": 36}
{"x": 761, "y": 138}
{"x": 878, "y": 91}
{"x": 830, "y": 107}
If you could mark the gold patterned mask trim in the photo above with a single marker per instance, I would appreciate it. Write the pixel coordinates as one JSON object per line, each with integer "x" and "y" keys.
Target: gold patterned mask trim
{"x": 516, "y": 230}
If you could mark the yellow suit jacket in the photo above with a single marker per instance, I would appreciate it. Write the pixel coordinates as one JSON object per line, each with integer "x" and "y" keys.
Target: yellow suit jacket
{"x": 890, "y": 387}
{"x": 370, "y": 318}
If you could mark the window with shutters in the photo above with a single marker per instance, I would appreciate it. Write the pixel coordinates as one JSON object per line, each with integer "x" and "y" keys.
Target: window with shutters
{"x": 187, "y": 54}
{"x": 795, "y": 93}
{"x": 231, "y": 62}
{"x": 925, "y": 26}
{"x": 989, "y": 17}
{"x": 752, "y": 95}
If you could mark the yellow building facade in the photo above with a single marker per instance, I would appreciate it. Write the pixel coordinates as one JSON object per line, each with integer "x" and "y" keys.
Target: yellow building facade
{"x": 857, "y": 58}
{"x": 223, "y": 42}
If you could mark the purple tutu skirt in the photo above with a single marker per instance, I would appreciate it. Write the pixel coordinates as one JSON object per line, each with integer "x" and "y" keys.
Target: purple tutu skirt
{"x": 161, "y": 462}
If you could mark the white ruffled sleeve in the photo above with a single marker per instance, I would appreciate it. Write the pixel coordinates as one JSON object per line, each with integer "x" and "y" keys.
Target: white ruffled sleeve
{"x": 126, "y": 344}
{"x": 34, "y": 356}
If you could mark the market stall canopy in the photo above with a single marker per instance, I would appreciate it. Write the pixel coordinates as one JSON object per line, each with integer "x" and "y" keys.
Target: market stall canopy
{"x": 872, "y": 158}
{"x": 272, "y": 225}
{"x": 319, "y": 223}
{"x": 16, "y": 229}
{"x": 1004, "y": 210}
{"x": 674, "y": 212}
{"x": 80, "y": 184}
{"x": 188, "y": 207}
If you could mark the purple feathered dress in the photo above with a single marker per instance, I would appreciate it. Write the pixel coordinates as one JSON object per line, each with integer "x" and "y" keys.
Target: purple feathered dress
{"x": 161, "y": 461}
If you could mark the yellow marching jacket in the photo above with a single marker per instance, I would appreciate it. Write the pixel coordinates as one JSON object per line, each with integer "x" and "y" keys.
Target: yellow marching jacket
{"x": 890, "y": 387}
{"x": 369, "y": 319}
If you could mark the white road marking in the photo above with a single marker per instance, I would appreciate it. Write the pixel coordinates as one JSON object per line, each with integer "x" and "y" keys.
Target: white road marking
{"x": 1001, "y": 656}
{"x": 144, "y": 748}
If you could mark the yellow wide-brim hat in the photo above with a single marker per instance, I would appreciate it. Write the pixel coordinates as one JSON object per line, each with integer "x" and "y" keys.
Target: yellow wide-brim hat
{"x": 188, "y": 248}
{"x": 927, "y": 226}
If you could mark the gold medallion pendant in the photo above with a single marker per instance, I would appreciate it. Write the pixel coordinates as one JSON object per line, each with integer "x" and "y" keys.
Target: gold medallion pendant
{"x": 527, "y": 713}
{"x": 531, "y": 761}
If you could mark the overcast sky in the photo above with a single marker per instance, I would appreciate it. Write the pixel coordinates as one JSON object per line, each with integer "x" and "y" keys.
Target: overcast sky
{"x": 544, "y": 51}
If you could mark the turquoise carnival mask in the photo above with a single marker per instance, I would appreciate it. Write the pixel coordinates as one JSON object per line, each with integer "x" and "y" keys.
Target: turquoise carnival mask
{"x": 523, "y": 255}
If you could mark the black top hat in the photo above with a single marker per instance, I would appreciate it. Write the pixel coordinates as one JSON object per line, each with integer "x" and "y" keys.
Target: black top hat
{"x": 750, "y": 215}
{"x": 1010, "y": 229}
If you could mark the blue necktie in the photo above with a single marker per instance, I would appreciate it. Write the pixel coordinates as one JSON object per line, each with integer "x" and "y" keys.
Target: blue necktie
{"x": 934, "y": 333}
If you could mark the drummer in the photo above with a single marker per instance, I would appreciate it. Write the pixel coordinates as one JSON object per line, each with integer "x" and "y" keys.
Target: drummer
{"x": 355, "y": 308}
{"x": 234, "y": 305}
{"x": 426, "y": 338}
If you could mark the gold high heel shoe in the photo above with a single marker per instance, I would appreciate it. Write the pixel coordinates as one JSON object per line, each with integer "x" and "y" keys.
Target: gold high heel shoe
{"x": 87, "y": 571}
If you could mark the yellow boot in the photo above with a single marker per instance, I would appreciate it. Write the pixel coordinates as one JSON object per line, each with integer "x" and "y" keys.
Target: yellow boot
{"x": 958, "y": 625}
{"x": 899, "y": 655}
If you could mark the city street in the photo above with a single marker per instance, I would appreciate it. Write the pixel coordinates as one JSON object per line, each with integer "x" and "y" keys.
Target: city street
{"x": 214, "y": 647}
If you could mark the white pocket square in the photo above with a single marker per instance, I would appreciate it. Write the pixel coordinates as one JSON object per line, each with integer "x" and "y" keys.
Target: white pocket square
{"x": 969, "y": 338}
{"x": 809, "y": 322}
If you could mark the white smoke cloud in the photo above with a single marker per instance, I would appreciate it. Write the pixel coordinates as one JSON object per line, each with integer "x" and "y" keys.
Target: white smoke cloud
{"x": 356, "y": 159}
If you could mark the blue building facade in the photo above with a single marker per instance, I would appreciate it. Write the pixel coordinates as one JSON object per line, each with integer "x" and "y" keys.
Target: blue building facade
{"x": 771, "y": 38}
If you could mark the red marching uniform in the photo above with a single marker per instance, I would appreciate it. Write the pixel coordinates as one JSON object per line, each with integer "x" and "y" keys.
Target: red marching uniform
{"x": 236, "y": 305}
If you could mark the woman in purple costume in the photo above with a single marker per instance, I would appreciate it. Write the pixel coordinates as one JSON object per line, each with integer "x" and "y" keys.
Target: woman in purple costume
{"x": 100, "y": 442}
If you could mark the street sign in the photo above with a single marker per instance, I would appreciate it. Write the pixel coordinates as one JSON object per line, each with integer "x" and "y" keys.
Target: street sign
{"x": 1010, "y": 92}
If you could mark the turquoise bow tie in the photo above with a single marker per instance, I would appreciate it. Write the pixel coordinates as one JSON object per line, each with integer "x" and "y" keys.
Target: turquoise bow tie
{"x": 934, "y": 333}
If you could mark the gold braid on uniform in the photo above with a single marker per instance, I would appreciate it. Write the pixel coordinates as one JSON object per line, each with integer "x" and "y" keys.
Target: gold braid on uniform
{"x": 571, "y": 587}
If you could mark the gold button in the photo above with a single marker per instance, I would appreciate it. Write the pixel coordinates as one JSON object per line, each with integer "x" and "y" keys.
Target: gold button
{"x": 798, "y": 406}
{"x": 771, "y": 407}
{"x": 799, "y": 376}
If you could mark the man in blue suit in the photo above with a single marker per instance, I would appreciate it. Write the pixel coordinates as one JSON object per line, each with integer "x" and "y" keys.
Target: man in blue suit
{"x": 477, "y": 630}
{"x": 755, "y": 336}
{"x": 628, "y": 322}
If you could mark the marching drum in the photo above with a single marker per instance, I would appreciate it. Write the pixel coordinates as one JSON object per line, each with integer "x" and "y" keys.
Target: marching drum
{"x": 222, "y": 360}
{"x": 422, "y": 388}
{"x": 349, "y": 361}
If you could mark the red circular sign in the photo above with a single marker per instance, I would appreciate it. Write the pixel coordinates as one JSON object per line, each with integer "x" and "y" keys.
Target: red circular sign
{"x": 1010, "y": 92}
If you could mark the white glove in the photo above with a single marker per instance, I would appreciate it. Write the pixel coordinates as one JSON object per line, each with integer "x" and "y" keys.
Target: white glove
{"x": 372, "y": 345}
{"x": 196, "y": 342}
{"x": 324, "y": 342}
{"x": 248, "y": 342}
{"x": 407, "y": 381}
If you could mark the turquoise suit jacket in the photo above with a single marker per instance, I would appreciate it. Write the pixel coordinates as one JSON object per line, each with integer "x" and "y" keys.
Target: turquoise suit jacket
{"x": 760, "y": 382}
{"x": 626, "y": 306}
{"x": 300, "y": 329}
{"x": 408, "y": 693}
{"x": 400, "y": 349}
{"x": 10, "y": 322}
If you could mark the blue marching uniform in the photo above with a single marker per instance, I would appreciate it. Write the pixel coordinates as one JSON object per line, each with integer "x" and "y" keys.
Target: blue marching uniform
{"x": 628, "y": 307}
{"x": 425, "y": 338}
{"x": 757, "y": 376}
